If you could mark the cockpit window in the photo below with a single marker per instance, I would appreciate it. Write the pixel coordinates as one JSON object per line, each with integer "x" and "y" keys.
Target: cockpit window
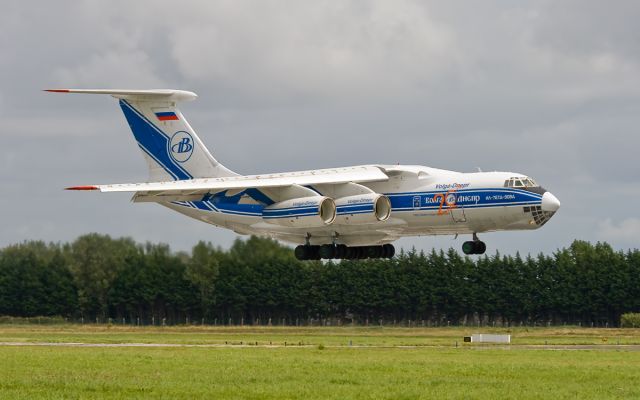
{"x": 520, "y": 182}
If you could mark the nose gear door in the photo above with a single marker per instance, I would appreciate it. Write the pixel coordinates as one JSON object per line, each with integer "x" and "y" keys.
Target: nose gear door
{"x": 458, "y": 214}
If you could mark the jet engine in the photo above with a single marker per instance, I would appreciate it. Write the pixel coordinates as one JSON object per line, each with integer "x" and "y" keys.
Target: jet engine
{"x": 304, "y": 212}
{"x": 362, "y": 209}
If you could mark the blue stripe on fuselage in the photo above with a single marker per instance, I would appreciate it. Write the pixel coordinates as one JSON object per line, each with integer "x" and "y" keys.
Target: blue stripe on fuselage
{"x": 400, "y": 202}
{"x": 468, "y": 198}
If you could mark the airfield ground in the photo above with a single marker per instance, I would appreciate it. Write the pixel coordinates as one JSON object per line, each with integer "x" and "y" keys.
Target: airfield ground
{"x": 76, "y": 361}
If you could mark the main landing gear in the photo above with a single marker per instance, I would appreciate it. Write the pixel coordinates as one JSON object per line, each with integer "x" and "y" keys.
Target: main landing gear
{"x": 475, "y": 246}
{"x": 340, "y": 251}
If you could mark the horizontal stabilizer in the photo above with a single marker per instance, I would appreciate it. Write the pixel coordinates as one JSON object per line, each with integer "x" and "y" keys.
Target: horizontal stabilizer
{"x": 151, "y": 94}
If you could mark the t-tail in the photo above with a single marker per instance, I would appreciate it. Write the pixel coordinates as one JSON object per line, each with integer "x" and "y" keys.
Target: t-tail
{"x": 170, "y": 146}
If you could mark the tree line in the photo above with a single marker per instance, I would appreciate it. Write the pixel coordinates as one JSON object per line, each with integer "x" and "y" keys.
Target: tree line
{"x": 258, "y": 281}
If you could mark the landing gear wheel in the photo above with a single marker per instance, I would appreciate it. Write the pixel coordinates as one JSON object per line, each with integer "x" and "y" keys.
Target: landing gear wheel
{"x": 468, "y": 248}
{"x": 301, "y": 252}
{"x": 306, "y": 252}
{"x": 314, "y": 252}
{"x": 474, "y": 247}
{"x": 480, "y": 247}
{"x": 388, "y": 251}
{"x": 341, "y": 251}
{"x": 327, "y": 251}
{"x": 372, "y": 252}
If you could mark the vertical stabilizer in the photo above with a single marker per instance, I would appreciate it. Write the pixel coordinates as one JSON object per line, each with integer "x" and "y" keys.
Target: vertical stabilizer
{"x": 172, "y": 149}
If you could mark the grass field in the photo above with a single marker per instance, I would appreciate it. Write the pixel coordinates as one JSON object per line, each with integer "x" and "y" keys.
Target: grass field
{"x": 377, "y": 366}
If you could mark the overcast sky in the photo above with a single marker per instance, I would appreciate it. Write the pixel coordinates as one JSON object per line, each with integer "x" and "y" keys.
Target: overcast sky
{"x": 548, "y": 88}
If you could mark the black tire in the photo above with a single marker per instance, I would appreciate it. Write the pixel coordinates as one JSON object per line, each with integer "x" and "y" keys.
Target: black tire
{"x": 480, "y": 247}
{"x": 356, "y": 253}
{"x": 379, "y": 251}
{"x": 388, "y": 251}
{"x": 371, "y": 251}
{"x": 341, "y": 251}
{"x": 469, "y": 248}
{"x": 384, "y": 251}
{"x": 350, "y": 253}
{"x": 327, "y": 251}
{"x": 313, "y": 253}
{"x": 301, "y": 252}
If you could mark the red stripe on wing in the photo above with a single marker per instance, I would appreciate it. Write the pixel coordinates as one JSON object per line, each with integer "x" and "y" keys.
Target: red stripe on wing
{"x": 82, "y": 188}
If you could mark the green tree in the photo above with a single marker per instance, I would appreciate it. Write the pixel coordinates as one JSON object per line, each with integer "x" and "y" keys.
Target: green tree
{"x": 202, "y": 269}
{"x": 95, "y": 262}
{"x": 35, "y": 281}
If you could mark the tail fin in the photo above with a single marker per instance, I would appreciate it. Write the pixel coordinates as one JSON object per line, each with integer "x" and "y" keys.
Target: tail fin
{"x": 170, "y": 146}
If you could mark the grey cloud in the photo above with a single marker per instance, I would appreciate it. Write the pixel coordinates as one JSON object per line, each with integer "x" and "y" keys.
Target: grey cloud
{"x": 625, "y": 231}
{"x": 591, "y": 28}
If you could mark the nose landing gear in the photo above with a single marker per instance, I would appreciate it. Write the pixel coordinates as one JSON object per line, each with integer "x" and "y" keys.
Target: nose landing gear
{"x": 475, "y": 246}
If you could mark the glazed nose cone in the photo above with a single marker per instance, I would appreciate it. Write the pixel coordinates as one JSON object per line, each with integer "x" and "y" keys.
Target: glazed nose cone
{"x": 550, "y": 202}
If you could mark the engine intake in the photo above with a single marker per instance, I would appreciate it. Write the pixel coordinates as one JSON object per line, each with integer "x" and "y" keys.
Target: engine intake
{"x": 363, "y": 209}
{"x": 304, "y": 212}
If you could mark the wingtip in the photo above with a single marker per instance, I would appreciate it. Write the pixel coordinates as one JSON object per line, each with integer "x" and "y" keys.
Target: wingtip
{"x": 82, "y": 188}
{"x": 56, "y": 90}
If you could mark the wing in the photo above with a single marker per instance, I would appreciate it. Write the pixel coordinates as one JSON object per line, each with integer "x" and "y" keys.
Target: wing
{"x": 196, "y": 189}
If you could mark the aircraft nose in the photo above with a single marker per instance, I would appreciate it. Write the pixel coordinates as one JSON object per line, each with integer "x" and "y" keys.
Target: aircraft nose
{"x": 550, "y": 202}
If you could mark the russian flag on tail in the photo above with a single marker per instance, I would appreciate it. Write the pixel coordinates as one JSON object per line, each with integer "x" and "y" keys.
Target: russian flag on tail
{"x": 166, "y": 116}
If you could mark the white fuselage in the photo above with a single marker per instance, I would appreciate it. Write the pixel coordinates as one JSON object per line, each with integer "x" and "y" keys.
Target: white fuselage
{"x": 424, "y": 201}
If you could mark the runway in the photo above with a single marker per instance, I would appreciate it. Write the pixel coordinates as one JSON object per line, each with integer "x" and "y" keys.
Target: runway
{"x": 563, "y": 347}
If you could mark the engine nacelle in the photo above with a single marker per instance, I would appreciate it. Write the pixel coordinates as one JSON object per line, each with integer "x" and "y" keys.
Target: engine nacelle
{"x": 304, "y": 212}
{"x": 363, "y": 209}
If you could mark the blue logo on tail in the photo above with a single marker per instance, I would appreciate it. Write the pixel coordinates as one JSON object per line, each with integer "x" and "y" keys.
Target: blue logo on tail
{"x": 181, "y": 146}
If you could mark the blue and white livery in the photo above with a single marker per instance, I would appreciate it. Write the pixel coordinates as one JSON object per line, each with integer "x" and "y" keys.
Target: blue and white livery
{"x": 347, "y": 212}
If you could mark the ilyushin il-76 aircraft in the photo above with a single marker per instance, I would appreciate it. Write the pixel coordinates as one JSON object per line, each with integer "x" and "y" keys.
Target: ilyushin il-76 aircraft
{"x": 336, "y": 213}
